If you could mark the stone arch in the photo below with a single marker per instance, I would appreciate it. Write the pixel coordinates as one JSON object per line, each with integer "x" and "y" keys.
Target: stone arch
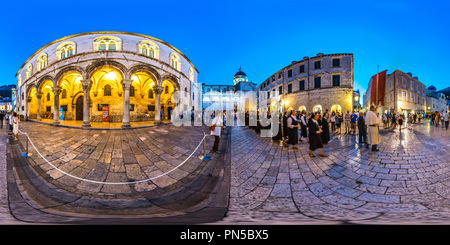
{"x": 65, "y": 70}
{"x": 172, "y": 78}
{"x": 98, "y": 64}
{"x": 144, "y": 68}
{"x": 43, "y": 79}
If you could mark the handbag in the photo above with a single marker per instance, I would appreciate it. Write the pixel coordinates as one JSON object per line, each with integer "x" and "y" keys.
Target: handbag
{"x": 211, "y": 128}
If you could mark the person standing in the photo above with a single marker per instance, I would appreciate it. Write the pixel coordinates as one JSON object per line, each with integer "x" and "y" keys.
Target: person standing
{"x": 304, "y": 126}
{"x": 325, "y": 129}
{"x": 446, "y": 120}
{"x": 400, "y": 122}
{"x": 315, "y": 141}
{"x": 353, "y": 119}
{"x": 11, "y": 118}
{"x": 292, "y": 128}
{"x": 347, "y": 119}
{"x": 338, "y": 122}
{"x": 2, "y": 117}
{"x": 333, "y": 122}
{"x": 216, "y": 128}
{"x": 372, "y": 121}
{"x": 16, "y": 126}
{"x": 362, "y": 130}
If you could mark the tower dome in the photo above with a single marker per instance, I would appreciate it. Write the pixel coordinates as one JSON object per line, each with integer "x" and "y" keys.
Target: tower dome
{"x": 432, "y": 88}
{"x": 240, "y": 76}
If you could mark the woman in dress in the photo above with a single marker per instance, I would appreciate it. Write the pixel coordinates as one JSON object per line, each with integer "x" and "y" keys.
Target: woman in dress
{"x": 315, "y": 141}
{"x": 325, "y": 129}
{"x": 15, "y": 126}
{"x": 292, "y": 125}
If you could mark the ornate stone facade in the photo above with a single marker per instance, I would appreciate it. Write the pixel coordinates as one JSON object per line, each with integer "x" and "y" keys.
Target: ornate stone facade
{"x": 312, "y": 84}
{"x": 133, "y": 75}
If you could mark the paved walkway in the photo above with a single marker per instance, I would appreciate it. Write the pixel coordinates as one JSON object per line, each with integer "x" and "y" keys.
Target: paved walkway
{"x": 93, "y": 159}
{"x": 255, "y": 181}
{"x": 407, "y": 181}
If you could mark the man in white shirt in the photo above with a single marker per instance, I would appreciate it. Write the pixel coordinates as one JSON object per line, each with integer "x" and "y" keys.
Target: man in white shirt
{"x": 217, "y": 124}
{"x": 372, "y": 121}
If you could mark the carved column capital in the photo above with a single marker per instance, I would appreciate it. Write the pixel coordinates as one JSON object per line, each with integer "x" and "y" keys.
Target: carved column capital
{"x": 158, "y": 89}
{"x": 126, "y": 84}
{"x": 56, "y": 90}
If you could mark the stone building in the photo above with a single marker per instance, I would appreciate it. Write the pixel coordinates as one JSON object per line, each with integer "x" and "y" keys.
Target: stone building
{"x": 131, "y": 75}
{"x": 312, "y": 84}
{"x": 225, "y": 97}
{"x": 435, "y": 100}
{"x": 403, "y": 94}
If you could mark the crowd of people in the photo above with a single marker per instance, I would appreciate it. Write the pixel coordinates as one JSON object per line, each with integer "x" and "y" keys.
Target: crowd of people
{"x": 12, "y": 122}
{"x": 317, "y": 128}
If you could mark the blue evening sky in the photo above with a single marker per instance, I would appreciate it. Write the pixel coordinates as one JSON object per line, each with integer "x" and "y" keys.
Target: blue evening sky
{"x": 261, "y": 36}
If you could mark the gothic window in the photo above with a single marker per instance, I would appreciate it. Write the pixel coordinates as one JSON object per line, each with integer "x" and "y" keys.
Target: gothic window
{"x": 148, "y": 48}
{"x": 175, "y": 61}
{"x": 166, "y": 89}
{"x": 64, "y": 94}
{"x": 65, "y": 49}
{"x": 42, "y": 61}
{"x": 107, "y": 90}
{"x": 29, "y": 72}
{"x": 107, "y": 43}
{"x": 102, "y": 45}
{"x": 131, "y": 91}
{"x": 48, "y": 96}
{"x": 112, "y": 45}
{"x": 150, "y": 93}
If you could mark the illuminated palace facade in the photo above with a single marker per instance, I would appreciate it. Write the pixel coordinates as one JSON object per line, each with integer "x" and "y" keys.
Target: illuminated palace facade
{"x": 323, "y": 82}
{"x": 132, "y": 75}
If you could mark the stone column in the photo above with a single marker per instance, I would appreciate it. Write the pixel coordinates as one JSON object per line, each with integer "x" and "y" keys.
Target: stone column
{"x": 38, "y": 103}
{"x": 126, "y": 83}
{"x": 56, "y": 91}
{"x": 86, "y": 84}
{"x": 158, "y": 90}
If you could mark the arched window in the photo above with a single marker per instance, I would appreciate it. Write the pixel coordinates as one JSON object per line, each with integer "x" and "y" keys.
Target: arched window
{"x": 150, "y": 93}
{"x": 148, "y": 48}
{"x": 107, "y": 90}
{"x": 166, "y": 89}
{"x": 132, "y": 91}
{"x": 42, "y": 61}
{"x": 48, "y": 96}
{"x": 107, "y": 43}
{"x": 175, "y": 61}
{"x": 112, "y": 45}
{"x": 102, "y": 45}
{"x": 29, "y": 72}
{"x": 64, "y": 94}
{"x": 65, "y": 49}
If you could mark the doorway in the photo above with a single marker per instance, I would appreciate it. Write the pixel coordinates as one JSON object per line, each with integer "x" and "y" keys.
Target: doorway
{"x": 79, "y": 108}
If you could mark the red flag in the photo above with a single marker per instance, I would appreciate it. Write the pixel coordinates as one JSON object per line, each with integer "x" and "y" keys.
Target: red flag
{"x": 378, "y": 83}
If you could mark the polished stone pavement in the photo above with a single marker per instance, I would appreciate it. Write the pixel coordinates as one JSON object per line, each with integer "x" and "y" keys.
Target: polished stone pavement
{"x": 253, "y": 181}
